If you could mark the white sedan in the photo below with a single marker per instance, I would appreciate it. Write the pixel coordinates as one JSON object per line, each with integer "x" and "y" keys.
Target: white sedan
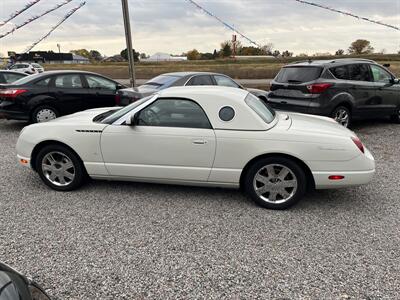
{"x": 206, "y": 136}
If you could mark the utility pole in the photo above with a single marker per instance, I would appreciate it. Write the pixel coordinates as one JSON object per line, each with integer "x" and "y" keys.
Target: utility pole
{"x": 128, "y": 36}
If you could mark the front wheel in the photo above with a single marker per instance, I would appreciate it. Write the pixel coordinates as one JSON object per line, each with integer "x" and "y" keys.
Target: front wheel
{"x": 60, "y": 168}
{"x": 342, "y": 115}
{"x": 275, "y": 182}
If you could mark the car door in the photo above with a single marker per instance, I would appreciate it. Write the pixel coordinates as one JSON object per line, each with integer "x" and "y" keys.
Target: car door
{"x": 362, "y": 87}
{"x": 172, "y": 140}
{"x": 69, "y": 92}
{"x": 387, "y": 93}
{"x": 101, "y": 92}
{"x": 200, "y": 80}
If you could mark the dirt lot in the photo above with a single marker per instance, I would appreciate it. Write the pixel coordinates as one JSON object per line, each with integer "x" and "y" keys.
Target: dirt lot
{"x": 249, "y": 69}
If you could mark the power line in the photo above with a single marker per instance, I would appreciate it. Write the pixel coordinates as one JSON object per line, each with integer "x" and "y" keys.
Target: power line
{"x": 223, "y": 23}
{"x": 34, "y": 18}
{"x": 69, "y": 14}
{"x": 347, "y": 14}
{"x": 18, "y": 12}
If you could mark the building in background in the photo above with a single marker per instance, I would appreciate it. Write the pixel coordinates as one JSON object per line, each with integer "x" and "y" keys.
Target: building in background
{"x": 159, "y": 56}
{"x": 50, "y": 57}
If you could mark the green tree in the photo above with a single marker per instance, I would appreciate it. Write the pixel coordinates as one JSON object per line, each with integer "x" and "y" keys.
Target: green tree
{"x": 124, "y": 54}
{"x": 287, "y": 54}
{"x": 215, "y": 54}
{"x": 81, "y": 52}
{"x": 226, "y": 49}
{"x": 361, "y": 47}
{"x": 193, "y": 55}
{"x": 276, "y": 53}
{"x": 95, "y": 55}
{"x": 339, "y": 52}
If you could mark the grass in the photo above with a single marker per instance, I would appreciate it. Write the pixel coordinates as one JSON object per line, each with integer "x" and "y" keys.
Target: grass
{"x": 240, "y": 69}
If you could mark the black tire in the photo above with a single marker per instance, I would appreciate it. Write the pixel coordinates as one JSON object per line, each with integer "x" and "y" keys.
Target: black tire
{"x": 57, "y": 151}
{"x": 36, "y": 113}
{"x": 295, "y": 194}
{"x": 338, "y": 112}
{"x": 396, "y": 118}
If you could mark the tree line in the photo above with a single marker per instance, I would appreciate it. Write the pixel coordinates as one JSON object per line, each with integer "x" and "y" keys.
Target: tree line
{"x": 229, "y": 49}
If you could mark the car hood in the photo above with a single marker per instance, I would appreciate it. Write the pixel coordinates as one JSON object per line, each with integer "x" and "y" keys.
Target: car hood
{"x": 85, "y": 116}
{"x": 317, "y": 124}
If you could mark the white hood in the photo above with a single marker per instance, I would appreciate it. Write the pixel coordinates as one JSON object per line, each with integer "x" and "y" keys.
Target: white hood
{"x": 84, "y": 116}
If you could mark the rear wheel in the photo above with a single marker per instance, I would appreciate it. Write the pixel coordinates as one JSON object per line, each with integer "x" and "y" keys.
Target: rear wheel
{"x": 60, "y": 168}
{"x": 44, "y": 113}
{"x": 342, "y": 115}
{"x": 396, "y": 117}
{"x": 275, "y": 182}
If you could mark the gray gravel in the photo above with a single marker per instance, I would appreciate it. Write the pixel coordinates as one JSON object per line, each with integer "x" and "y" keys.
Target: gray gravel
{"x": 130, "y": 241}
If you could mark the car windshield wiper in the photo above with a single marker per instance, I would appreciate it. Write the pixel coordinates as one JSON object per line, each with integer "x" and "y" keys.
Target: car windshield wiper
{"x": 294, "y": 81}
{"x": 104, "y": 115}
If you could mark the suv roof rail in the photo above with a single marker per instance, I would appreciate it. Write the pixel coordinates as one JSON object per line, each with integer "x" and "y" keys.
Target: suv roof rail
{"x": 354, "y": 59}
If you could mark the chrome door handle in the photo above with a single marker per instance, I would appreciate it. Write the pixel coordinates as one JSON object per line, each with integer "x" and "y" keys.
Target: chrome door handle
{"x": 199, "y": 142}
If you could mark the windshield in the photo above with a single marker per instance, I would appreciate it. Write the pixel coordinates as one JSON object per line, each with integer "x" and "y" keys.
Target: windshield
{"x": 161, "y": 80}
{"x": 260, "y": 107}
{"x": 298, "y": 74}
{"x": 121, "y": 112}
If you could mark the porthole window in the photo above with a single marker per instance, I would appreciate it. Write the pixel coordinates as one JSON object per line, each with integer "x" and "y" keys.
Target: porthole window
{"x": 226, "y": 113}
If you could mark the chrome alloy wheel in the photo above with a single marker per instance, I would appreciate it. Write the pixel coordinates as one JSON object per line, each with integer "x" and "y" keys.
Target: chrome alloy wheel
{"x": 45, "y": 115}
{"x": 275, "y": 183}
{"x": 342, "y": 117}
{"x": 58, "y": 168}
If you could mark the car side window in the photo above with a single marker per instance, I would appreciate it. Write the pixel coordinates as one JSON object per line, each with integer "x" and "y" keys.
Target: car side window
{"x": 340, "y": 72}
{"x": 359, "y": 72}
{"x": 380, "y": 75}
{"x": 96, "y": 82}
{"x": 43, "y": 82}
{"x": 201, "y": 80}
{"x": 225, "y": 81}
{"x": 9, "y": 77}
{"x": 174, "y": 113}
{"x": 70, "y": 81}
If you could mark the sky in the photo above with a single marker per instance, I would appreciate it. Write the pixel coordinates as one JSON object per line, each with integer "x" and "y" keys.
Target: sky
{"x": 176, "y": 26}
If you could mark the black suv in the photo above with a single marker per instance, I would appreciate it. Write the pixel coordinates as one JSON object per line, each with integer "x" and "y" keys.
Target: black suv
{"x": 342, "y": 89}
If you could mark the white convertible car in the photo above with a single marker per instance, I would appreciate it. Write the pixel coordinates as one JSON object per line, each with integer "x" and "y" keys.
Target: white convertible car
{"x": 208, "y": 136}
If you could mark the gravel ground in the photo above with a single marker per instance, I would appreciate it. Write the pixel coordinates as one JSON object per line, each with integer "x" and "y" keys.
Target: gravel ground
{"x": 133, "y": 241}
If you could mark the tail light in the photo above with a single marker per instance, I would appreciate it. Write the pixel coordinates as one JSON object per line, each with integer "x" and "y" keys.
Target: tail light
{"x": 117, "y": 99}
{"x": 358, "y": 143}
{"x": 318, "y": 88}
{"x": 336, "y": 177}
{"x": 11, "y": 93}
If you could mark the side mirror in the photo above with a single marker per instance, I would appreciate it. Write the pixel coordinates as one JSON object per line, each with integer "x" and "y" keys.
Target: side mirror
{"x": 120, "y": 86}
{"x": 395, "y": 81}
{"x": 133, "y": 120}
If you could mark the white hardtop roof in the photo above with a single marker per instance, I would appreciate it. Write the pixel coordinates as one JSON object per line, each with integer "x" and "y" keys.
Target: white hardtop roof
{"x": 213, "y": 98}
{"x": 234, "y": 94}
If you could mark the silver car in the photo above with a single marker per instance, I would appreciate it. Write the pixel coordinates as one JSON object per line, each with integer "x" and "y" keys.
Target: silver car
{"x": 167, "y": 80}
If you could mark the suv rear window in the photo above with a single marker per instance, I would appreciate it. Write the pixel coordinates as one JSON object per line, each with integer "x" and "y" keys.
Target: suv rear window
{"x": 298, "y": 74}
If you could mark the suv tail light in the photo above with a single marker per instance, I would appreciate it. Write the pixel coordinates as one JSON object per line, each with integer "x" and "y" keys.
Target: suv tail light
{"x": 318, "y": 88}
{"x": 11, "y": 93}
{"x": 358, "y": 143}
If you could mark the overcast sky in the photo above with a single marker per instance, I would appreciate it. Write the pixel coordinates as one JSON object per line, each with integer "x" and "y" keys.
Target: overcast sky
{"x": 176, "y": 26}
